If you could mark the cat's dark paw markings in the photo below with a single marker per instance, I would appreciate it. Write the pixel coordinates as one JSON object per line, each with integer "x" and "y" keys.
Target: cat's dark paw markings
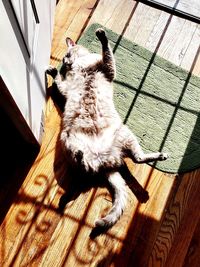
{"x": 164, "y": 156}
{"x": 101, "y": 35}
{"x": 52, "y": 71}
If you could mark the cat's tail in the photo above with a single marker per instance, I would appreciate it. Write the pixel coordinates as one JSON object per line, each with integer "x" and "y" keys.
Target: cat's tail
{"x": 118, "y": 186}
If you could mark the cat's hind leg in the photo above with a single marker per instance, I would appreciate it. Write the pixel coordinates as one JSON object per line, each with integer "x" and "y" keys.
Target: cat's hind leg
{"x": 133, "y": 149}
{"x": 109, "y": 69}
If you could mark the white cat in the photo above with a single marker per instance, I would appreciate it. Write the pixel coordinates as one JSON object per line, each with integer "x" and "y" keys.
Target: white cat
{"x": 93, "y": 136}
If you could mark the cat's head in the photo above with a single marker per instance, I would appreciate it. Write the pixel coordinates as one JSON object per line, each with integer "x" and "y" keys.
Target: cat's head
{"x": 74, "y": 52}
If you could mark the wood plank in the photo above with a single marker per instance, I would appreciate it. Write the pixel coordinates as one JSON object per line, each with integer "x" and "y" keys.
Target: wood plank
{"x": 34, "y": 188}
{"x": 112, "y": 11}
{"x": 192, "y": 7}
{"x": 142, "y": 24}
{"x": 177, "y": 228}
{"x": 99, "y": 201}
{"x": 196, "y": 70}
{"x": 182, "y": 42}
{"x": 192, "y": 258}
{"x": 143, "y": 231}
{"x": 189, "y": 203}
{"x": 175, "y": 26}
{"x": 192, "y": 52}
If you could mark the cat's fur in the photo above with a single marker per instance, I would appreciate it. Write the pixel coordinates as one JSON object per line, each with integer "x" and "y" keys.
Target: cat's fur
{"x": 93, "y": 136}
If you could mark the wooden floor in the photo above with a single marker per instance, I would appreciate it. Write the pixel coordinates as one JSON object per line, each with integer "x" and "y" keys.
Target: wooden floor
{"x": 163, "y": 232}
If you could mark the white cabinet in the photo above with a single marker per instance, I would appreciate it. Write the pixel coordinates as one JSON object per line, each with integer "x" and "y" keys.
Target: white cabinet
{"x": 26, "y": 29}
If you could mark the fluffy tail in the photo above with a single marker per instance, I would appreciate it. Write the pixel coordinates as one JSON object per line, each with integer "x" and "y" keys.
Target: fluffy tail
{"x": 120, "y": 195}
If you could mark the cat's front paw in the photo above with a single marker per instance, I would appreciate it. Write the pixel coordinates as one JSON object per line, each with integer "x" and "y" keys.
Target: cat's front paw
{"x": 163, "y": 156}
{"x": 51, "y": 71}
{"x": 101, "y": 35}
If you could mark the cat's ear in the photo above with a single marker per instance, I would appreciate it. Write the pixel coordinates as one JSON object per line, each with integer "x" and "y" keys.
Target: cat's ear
{"x": 70, "y": 42}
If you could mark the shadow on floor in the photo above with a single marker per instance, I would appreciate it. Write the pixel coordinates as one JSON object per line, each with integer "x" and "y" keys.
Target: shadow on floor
{"x": 17, "y": 157}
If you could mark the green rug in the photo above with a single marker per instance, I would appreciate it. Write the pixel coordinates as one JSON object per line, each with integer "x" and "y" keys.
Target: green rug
{"x": 159, "y": 101}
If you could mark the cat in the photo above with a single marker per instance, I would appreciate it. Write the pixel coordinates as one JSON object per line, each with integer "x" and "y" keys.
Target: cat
{"x": 93, "y": 136}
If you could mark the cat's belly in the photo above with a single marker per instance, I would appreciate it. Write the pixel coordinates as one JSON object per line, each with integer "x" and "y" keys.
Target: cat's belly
{"x": 96, "y": 150}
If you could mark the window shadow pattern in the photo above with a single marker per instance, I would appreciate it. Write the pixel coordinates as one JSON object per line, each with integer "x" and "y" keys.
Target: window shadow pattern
{"x": 176, "y": 106}
{"x": 153, "y": 96}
